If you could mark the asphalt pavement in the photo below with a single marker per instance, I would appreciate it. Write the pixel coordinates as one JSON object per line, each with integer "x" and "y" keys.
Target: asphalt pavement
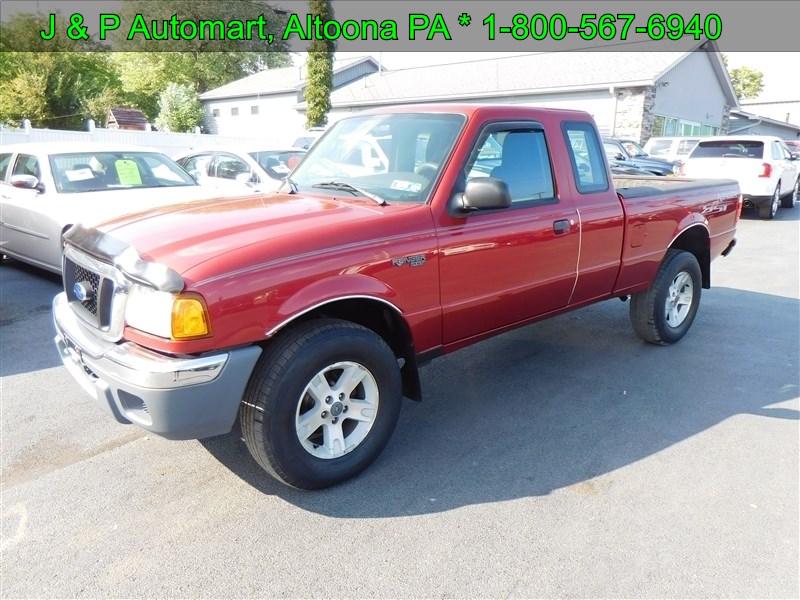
{"x": 564, "y": 459}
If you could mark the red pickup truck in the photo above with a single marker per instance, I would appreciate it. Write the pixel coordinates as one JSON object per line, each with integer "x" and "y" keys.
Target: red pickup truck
{"x": 403, "y": 235}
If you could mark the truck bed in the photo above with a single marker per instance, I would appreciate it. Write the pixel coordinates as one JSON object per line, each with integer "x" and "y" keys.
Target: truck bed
{"x": 641, "y": 187}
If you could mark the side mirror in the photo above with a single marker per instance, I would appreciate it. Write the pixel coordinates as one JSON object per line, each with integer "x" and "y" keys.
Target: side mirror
{"x": 481, "y": 193}
{"x": 26, "y": 182}
{"x": 620, "y": 156}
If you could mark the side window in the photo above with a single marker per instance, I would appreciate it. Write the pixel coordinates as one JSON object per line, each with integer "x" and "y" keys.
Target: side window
{"x": 613, "y": 152}
{"x": 197, "y": 165}
{"x": 588, "y": 166}
{"x": 27, "y": 165}
{"x": 776, "y": 151}
{"x": 229, "y": 167}
{"x": 5, "y": 160}
{"x": 661, "y": 148}
{"x": 686, "y": 146}
{"x": 518, "y": 156}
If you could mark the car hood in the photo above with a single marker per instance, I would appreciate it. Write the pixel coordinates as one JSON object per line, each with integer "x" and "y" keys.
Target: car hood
{"x": 275, "y": 225}
{"x": 653, "y": 161}
{"x": 91, "y": 208}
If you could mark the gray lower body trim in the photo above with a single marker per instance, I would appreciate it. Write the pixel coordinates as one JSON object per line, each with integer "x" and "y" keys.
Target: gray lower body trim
{"x": 176, "y": 398}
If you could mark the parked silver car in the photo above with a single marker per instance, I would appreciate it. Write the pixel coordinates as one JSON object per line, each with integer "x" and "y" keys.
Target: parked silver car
{"x": 46, "y": 187}
{"x": 261, "y": 168}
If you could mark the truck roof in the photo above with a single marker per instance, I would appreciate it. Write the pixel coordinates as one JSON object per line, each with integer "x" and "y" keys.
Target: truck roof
{"x": 472, "y": 110}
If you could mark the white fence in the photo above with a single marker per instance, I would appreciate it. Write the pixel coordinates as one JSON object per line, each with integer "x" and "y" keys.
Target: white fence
{"x": 170, "y": 144}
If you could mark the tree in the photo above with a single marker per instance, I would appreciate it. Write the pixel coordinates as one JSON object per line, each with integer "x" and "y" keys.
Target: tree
{"x": 57, "y": 84}
{"x": 746, "y": 82}
{"x": 320, "y": 71}
{"x": 180, "y": 110}
{"x": 146, "y": 66}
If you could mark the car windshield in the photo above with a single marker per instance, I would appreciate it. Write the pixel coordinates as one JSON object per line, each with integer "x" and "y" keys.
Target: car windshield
{"x": 395, "y": 158}
{"x": 277, "y": 164}
{"x": 109, "y": 170}
{"x": 633, "y": 149}
{"x": 729, "y": 149}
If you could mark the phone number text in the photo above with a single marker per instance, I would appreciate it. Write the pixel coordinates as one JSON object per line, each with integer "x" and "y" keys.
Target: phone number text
{"x": 607, "y": 26}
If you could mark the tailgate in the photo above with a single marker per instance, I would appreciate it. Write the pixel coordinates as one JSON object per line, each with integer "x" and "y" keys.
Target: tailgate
{"x": 740, "y": 169}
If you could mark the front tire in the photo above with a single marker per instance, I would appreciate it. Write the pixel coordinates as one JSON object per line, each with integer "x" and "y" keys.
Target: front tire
{"x": 322, "y": 403}
{"x": 768, "y": 211}
{"x": 665, "y": 312}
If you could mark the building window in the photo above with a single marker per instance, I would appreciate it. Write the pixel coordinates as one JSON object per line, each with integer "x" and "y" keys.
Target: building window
{"x": 664, "y": 126}
{"x": 254, "y": 110}
{"x": 215, "y": 112}
{"x": 235, "y": 111}
{"x": 690, "y": 128}
{"x": 709, "y": 130}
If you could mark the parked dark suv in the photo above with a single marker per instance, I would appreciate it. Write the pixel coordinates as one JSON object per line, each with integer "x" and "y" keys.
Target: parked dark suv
{"x": 627, "y": 153}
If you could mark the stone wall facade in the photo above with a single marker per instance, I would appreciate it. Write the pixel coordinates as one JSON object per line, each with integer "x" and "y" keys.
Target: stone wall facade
{"x": 634, "y": 118}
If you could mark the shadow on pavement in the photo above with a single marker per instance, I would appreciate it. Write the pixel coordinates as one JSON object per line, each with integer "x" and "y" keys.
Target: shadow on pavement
{"x": 562, "y": 402}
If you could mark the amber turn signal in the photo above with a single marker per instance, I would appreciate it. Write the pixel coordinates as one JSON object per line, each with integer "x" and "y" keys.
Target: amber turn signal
{"x": 189, "y": 318}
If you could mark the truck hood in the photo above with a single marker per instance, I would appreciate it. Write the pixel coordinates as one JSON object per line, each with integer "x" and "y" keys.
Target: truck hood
{"x": 184, "y": 236}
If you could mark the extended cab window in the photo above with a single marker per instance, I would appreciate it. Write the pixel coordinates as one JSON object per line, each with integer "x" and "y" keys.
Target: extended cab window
{"x": 588, "y": 167}
{"x": 519, "y": 157}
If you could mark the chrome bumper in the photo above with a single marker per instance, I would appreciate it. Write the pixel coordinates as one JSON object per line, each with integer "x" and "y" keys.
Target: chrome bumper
{"x": 177, "y": 398}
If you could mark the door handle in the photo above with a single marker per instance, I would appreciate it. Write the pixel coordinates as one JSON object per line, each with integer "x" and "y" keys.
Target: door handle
{"x": 562, "y": 226}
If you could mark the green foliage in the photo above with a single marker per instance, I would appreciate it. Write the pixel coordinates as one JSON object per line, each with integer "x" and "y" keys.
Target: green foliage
{"x": 57, "y": 90}
{"x": 320, "y": 71}
{"x": 63, "y": 82}
{"x": 746, "y": 82}
{"x": 180, "y": 110}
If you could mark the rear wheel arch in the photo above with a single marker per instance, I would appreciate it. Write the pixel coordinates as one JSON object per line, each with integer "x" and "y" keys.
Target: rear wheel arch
{"x": 696, "y": 240}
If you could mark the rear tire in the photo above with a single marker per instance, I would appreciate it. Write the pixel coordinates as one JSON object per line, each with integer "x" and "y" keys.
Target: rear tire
{"x": 793, "y": 198}
{"x": 768, "y": 211}
{"x": 665, "y": 312}
{"x": 321, "y": 404}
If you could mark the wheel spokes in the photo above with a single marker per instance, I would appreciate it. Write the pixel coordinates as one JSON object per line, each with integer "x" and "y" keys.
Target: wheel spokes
{"x": 348, "y": 381}
{"x": 333, "y": 437}
{"x": 679, "y": 299}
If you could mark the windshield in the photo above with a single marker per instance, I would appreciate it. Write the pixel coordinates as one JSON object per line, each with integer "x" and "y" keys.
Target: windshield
{"x": 633, "y": 149}
{"x": 729, "y": 149}
{"x": 395, "y": 157}
{"x": 100, "y": 171}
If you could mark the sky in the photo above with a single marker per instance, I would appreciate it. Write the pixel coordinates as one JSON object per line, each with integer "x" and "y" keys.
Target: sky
{"x": 780, "y": 69}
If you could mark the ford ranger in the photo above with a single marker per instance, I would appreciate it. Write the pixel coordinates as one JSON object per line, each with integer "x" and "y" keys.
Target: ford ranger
{"x": 404, "y": 234}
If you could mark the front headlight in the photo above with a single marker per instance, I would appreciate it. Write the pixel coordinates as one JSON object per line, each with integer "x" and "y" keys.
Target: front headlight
{"x": 171, "y": 316}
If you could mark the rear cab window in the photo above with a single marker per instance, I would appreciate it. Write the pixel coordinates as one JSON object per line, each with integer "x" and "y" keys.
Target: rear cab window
{"x": 588, "y": 167}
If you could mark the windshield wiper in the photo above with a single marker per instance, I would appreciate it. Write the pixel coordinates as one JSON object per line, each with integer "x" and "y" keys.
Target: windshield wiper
{"x": 290, "y": 182}
{"x": 349, "y": 187}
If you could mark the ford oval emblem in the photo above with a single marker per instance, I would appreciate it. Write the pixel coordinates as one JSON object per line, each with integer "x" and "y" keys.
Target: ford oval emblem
{"x": 82, "y": 291}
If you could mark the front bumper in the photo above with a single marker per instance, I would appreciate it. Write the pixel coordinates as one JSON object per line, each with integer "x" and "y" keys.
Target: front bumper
{"x": 176, "y": 398}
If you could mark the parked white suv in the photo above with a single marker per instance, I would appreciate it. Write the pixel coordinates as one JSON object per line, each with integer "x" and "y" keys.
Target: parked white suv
{"x": 671, "y": 148}
{"x": 767, "y": 173}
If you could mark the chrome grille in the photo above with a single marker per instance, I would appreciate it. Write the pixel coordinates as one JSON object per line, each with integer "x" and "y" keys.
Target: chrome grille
{"x": 96, "y": 291}
{"x": 93, "y": 279}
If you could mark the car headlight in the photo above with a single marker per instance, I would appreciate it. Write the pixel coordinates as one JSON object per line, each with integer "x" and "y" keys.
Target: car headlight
{"x": 172, "y": 316}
